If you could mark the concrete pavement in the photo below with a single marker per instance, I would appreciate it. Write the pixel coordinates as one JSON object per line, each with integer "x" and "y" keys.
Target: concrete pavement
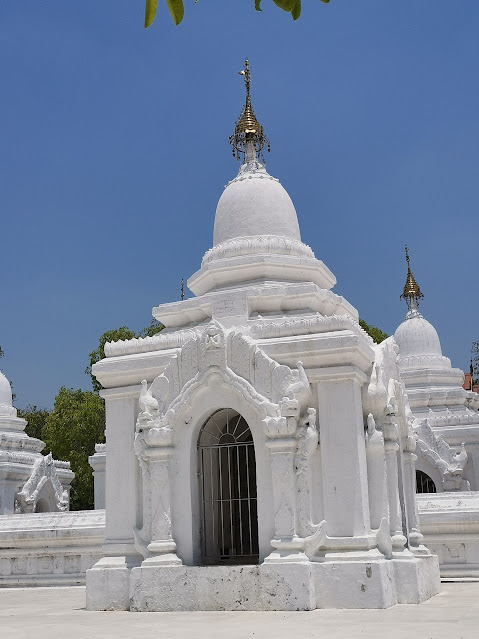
{"x": 59, "y": 613}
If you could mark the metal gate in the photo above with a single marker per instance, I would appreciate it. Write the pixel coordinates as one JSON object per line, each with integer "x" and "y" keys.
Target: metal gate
{"x": 227, "y": 473}
{"x": 424, "y": 484}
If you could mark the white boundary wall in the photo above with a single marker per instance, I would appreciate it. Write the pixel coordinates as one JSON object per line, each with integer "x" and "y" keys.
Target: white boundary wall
{"x": 450, "y": 525}
{"x": 47, "y": 549}
{"x": 42, "y": 549}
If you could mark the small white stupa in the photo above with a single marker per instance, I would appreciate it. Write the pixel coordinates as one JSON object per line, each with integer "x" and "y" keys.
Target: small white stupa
{"x": 29, "y": 481}
{"x": 259, "y": 451}
{"x": 447, "y": 419}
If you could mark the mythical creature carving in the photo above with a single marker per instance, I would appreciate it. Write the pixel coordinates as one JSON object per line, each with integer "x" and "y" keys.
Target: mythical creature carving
{"x": 43, "y": 470}
{"x": 148, "y": 404}
{"x": 438, "y": 453}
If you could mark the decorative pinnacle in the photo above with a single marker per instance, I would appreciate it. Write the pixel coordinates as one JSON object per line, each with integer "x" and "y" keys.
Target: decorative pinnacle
{"x": 411, "y": 292}
{"x": 248, "y": 131}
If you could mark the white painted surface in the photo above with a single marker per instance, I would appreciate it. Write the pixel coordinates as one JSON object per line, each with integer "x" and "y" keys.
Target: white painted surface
{"x": 416, "y": 337}
{"x": 450, "y": 524}
{"x": 266, "y": 338}
{"x": 254, "y": 203}
{"x": 5, "y": 391}
{"x": 446, "y": 415}
{"x": 98, "y": 464}
{"x": 49, "y": 548}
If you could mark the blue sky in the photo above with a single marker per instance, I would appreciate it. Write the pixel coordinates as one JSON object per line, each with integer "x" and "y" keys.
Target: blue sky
{"x": 114, "y": 153}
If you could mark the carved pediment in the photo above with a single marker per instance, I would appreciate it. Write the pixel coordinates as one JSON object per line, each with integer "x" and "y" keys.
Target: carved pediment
{"x": 239, "y": 362}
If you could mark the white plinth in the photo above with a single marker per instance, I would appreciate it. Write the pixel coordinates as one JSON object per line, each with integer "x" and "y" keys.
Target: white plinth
{"x": 181, "y": 588}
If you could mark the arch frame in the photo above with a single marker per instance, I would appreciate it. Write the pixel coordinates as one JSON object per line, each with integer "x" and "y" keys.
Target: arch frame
{"x": 218, "y": 369}
{"x": 216, "y": 393}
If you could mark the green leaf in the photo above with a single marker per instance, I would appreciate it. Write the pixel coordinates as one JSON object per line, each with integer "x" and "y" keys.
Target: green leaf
{"x": 296, "y": 10}
{"x": 325, "y": 1}
{"x": 150, "y": 12}
{"x": 176, "y": 9}
{"x": 256, "y": 5}
{"x": 286, "y": 5}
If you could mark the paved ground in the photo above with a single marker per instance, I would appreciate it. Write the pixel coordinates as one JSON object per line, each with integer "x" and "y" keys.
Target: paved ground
{"x": 59, "y": 613}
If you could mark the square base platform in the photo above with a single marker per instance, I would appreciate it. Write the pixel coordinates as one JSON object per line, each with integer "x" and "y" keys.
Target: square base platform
{"x": 374, "y": 583}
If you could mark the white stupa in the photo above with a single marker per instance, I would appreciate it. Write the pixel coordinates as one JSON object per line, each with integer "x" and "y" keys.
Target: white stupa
{"x": 259, "y": 454}
{"x": 447, "y": 419}
{"x": 29, "y": 481}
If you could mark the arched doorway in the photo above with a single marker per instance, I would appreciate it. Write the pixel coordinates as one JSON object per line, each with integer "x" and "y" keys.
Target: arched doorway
{"x": 228, "y": 499}
{"x": 424, "y": 484}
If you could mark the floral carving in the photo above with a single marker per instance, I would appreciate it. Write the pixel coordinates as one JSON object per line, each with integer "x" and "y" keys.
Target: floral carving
{"x": 271, "y": 244}
{"x": 307, "y": 326}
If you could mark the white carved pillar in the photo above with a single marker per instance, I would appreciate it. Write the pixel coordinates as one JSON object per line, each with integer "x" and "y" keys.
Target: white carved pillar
{"x": 343, "y": 456}
{"x": 377, "y": 475}
{"x": 108, "y": 582}
{"x": 121, "y": 471}
{"x": 98, "y": 464}
{"x": 307, "y": 438}
{"x": 282, "y": 445}
{"x": 157, "y": 526}
{"x": 391, "y": 447}
{"x": 409, "y": 463}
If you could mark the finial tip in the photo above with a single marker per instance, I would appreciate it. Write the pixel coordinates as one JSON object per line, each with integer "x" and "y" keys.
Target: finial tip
{"x": 248, "y": 131}
{"x": 411, "y": 292}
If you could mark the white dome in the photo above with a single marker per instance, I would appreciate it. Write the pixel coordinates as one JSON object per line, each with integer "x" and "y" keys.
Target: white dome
{"x": 416, "y": 336}
{"x": 5, "y": 391}
{"x": 255, "y": 203}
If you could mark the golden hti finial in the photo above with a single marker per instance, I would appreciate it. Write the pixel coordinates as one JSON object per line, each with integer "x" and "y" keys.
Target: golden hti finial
{"x": 411, "y": 292}
{"x": 248, "y": 131}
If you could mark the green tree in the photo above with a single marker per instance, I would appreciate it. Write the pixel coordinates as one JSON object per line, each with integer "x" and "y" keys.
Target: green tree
{"x": 373, "y": 331}
{"x": 153, "y": 328}
{"x": 113, "y": 336}
{"x": 177, "y": 9}
{"x": 36, "y": 418}
{"x": 99, "y": 353}
{"x": 71, "y": 430}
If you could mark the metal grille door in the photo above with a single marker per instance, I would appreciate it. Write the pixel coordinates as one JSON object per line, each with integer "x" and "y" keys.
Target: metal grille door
{"x": 424, "y": 483}
{"x": 228, "y": 490}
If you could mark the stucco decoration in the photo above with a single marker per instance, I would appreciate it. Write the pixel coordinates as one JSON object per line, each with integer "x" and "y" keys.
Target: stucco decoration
{"x": 43, "y": 481}
{"x": 158, "y": 342}
{"x": 26, "y": 476}
{"x": 258, "y": 244}
{"x": 280, "y": 394}
{"x": 435, "y": 450}
{"x": 386, "y": 408}
{"x": 308, "y": 325}
{"x": 322, "y": 470}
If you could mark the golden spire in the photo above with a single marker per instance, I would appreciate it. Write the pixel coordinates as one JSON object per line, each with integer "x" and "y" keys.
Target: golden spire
{"x": 411, "y": 293}
{"x": 247, "y": 128}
